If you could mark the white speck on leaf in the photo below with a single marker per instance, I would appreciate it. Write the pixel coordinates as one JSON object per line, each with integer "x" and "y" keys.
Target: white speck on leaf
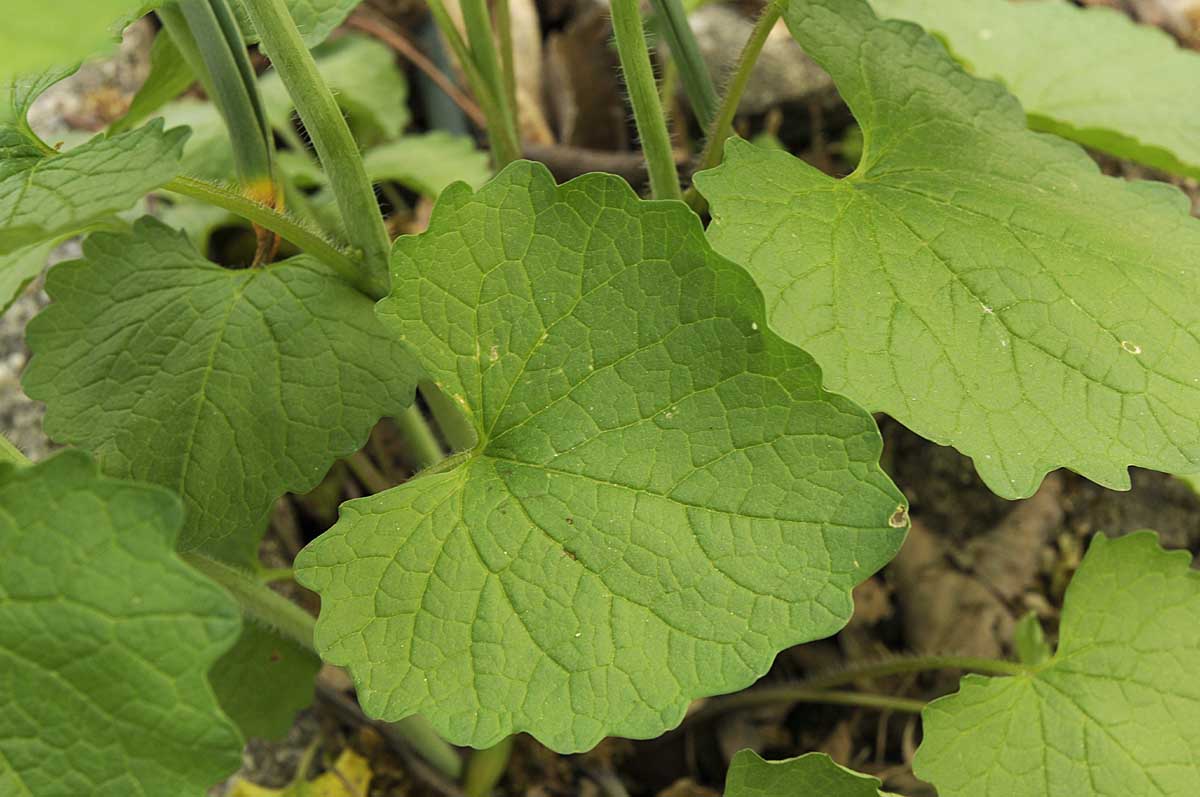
{"x": 1131, "y": 347}
{"x": 494, "y": 354}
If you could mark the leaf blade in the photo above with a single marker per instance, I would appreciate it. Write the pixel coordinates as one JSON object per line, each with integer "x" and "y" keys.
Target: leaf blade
{"x": 968, "y": 279}
{"x": 606, "y": 358}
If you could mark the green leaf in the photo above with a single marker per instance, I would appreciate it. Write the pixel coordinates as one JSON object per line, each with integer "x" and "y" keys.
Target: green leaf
{"x": 1116, "y": 710}
{"x": 661, "y": 498}
{"x": 364, "y": 77}
{"x": 429, "y": 162}
{"x": 810, "y": 775}
{"x": 35, "y": 36}
{"x": 229, "y": 387}
{"x": 170, "y": 75}
{"x": 316, "y": 19}
{"x": 982, "y": 284}
{"x": 263, "y": 681}
{"x": 44, "y": 195}
{"x": 1112, "y": 84}
{"x": 105, "y": 638}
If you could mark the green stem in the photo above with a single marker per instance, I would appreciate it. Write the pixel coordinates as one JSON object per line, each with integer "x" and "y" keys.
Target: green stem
{"x": 366, "y": 472}
{"x": 329, "y": 132}
{"x": 504, "y": 138}
{"x": 258, "y": 601}
{"x": 508, "y": 66}
{"x": 268, "y": 575}
{"x": 420, "y": 442}
{"x": 912, "y": 664}
{"x": 722, "y": 124}
{"x": 685, "y": 52}
{"x": 485, "y": 768}
{"x": 421, "y": 736}
{"x": 235, "y": 99}
{"x": 643, "y": 95}
{"x": 788, "y": 693}
{"x": 286, "y": 227}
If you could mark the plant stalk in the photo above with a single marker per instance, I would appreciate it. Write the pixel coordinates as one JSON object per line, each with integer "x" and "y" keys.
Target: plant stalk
{"x": 685, "y": 53}
{"x": 722, "y": 124}
{"x": 287, "y": 228}
{"x": 485, "y": 75}
{"x": 330, "y": 135}
{"x": 485, "y": 768}
{"x": 789, "y": 693}
{"x": 259, "y": 602}
{"x": 643, "y": 96}
{"x": 912, "y": 664}
{"x": 236, "y": 99}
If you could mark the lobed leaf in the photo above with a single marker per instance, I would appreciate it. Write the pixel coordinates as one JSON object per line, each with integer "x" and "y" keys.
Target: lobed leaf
{"x": 105, "y": 639}
{"x": 1115, "y": 712}
{"x": 229, "y": 387}
{"x": 263, "y": 681}
{"x": 660, "y": 499}
{"x": 811, "y": 775}
{"x": 34, "y": 36}
{"x": 983, "y": 284}
{"x": 315, "y": 19}
{"x": 1112, "y": 84}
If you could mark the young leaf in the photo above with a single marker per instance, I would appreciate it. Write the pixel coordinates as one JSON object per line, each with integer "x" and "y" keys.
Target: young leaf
{"x": 229, "y": 387}
{"x": 363, "y": 74}
{"x": 1112, "y": 84}
{"x": 984, "y": 285}
{"x": 1115, "y": 711}
{"x": 811, "y": 775}
{"x": 46, "y": 195}
{"x": 105, "y": 638}
{"x": 429, "y": 162}
{"x": 661, "y": 497}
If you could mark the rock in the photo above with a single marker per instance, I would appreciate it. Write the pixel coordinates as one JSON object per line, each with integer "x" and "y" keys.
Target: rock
{"x": 783, "y": 74}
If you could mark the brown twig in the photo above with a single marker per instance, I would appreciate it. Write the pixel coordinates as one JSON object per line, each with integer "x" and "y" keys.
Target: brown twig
{"x": 390, "y": 34}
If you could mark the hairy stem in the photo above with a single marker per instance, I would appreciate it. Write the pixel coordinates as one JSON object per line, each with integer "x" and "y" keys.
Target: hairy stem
{"x": 286, "y": 227}
{"x": 485, "y": 768}
{"x": 685, "y": 53}
{"x": 329, "y": 132}
{"x": 722, "y": 123}
{"x": 259, "y": 602}
{"x": 643, "y": 95}
{"x": 420, "y": 442}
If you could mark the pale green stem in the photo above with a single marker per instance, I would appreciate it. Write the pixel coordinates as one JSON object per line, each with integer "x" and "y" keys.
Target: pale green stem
{"x": 287, "y": 228}
{"x": 722, "y": 125}
{"x": 420, "y": 442}
{"x": 259, "y": 602}
{"x": 643, "y": 96}
{"x": 685, "y": 52}
{"x": 505, "y": 140}
{"x": 366, "y": 472}
{"x": 485, "y": 768}
{"x": 328, "y": 131}
{"x": 507, "y": 61}
{"x": 236, "y": 101}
